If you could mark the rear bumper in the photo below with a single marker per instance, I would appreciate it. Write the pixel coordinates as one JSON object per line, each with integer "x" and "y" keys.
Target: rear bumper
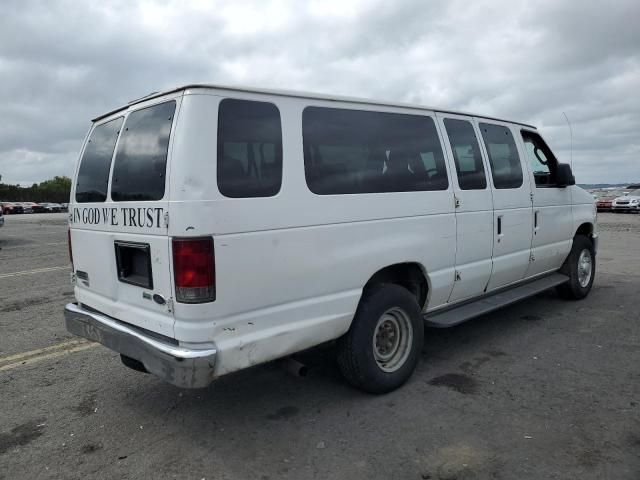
{"x": 180, "y": 366}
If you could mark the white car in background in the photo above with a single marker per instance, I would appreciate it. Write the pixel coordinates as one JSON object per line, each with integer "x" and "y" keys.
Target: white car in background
{"x": 627, "y": 203}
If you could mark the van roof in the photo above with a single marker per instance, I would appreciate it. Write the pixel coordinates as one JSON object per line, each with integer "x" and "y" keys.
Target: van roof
{"x": 298, "y": 94}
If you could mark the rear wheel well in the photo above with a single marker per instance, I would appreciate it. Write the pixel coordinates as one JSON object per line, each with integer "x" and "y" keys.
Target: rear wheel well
{"x": 407, "y": 275}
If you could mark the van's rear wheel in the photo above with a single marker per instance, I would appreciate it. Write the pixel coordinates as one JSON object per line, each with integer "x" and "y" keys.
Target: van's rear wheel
{"x": 381, "y": 349}
{"x": 580, "y": 266}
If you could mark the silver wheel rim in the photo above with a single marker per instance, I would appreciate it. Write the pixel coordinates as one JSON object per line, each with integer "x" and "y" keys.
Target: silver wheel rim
{"x": 392, "y": 339}
{"x": 585, "y": 266}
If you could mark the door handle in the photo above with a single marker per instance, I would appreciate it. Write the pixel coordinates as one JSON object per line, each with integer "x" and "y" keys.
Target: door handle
{"x": 535, "y": 219}
{"x": 500, "y": 225}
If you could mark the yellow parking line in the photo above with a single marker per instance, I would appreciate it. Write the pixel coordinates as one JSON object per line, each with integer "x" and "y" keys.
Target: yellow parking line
{"x": 30, "y": 272}
{"x": 44, "y": 355}
{"x": 60, "y": 346}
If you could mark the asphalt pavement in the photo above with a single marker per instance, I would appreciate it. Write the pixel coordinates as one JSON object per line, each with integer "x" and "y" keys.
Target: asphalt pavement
{"x": 543, "y": 389}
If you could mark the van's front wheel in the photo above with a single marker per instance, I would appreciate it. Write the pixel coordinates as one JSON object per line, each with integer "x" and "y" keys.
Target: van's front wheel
{"x": 381, "y": 349}
{"x": 580, "y": 267}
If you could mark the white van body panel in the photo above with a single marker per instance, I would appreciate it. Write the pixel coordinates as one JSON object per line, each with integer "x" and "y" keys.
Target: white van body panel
{"x": 95, "y": 227}
{"x": 553, "y": 223}
{"x": 512, "y": 247}
{"x": 474, "y": 226}
{"x": 116, "y": 299}
{"x": 336, "y": 244}
{"x": 583, "y": 210}
{"x": 290, "y": 269}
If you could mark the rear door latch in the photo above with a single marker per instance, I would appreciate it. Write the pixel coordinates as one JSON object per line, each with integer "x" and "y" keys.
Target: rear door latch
{"x": 170, "y": 305}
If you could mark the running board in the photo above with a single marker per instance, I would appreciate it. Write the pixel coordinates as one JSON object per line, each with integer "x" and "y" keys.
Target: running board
{"x": 493, "y": 301}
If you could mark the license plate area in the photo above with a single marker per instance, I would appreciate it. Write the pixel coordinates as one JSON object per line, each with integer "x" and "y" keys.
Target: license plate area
{"x": 134, "y": 263}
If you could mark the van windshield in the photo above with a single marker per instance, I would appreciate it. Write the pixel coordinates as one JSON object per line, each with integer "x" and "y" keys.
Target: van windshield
{"x": 139, "y": 168}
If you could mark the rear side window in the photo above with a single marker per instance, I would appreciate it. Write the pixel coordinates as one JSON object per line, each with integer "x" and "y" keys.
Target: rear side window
{"x": 354, "y": 151}
{"x": 249, "y": 149}
{"x": 466, "y": 154}
{"x": 93, "y": 175}
{"x": 506, "y": 169}
{"x": 140, "y": 165}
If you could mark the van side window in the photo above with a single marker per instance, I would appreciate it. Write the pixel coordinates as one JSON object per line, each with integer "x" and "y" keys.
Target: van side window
{"x": 506, "y": 169}
{"x": 139, "y": 169}
{"x": 93, "y": 175}
{"x": 543, "y": 162}
{"x": 355, "y": 151}
{"x": 249, "y": 149}
{"x": 466, "y": 154}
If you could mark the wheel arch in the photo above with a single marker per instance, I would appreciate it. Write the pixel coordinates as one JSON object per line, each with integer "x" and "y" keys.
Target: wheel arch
{"x": 585, "y": 229}
{"x": 409, "y": 275}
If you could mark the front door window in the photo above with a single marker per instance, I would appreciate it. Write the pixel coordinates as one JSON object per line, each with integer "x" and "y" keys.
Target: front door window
{"x": 543, "y": 163}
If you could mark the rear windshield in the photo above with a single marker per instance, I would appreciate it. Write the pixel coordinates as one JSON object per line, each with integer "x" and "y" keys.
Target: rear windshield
{"x": 93, "y": 176}
{"x": 141, "y": 159}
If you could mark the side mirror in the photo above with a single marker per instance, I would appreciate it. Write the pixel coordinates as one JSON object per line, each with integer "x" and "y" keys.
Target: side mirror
{"x": 564, "y": 175}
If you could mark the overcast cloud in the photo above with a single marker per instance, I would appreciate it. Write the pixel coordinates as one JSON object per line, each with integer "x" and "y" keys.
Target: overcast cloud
{"x": 63, "y": 62}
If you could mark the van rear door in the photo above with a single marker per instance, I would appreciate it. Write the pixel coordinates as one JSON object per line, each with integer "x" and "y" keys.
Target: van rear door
{"x": 118, "y": 218}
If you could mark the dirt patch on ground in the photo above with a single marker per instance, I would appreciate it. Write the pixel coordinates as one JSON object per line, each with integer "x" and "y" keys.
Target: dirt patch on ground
{"x": 27, "y": 302}
{"x": 87, "y": 406}
{"x": 91, "y": 448}
{"x": 283, "y": 413}
{"x": 461, "y": 462}
{"x": 456, "y": 381}
{"x": 21, "y": 435}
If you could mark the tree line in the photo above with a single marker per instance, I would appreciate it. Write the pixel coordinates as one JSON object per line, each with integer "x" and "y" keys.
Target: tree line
{"x": 56, "y": 189}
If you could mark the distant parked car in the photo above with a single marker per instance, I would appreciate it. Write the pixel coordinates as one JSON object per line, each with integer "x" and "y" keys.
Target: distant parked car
{"x": 11, "y": 208}
{"x": 1, "y": 217}
{"x": 627, "y": 203}
{"x": 36, "y": 207}
{"x": 65, "y": 207}
{"x": 26, "y": 207}
{"x": 605, "y": 202}
{"x": 51, "y": 207}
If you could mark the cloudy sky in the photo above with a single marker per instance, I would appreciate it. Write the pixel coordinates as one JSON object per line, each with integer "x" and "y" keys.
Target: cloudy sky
{"x": 63, "y": 62}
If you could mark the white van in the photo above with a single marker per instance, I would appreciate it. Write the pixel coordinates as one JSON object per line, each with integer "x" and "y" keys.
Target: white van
{"x": 216, "y": 228}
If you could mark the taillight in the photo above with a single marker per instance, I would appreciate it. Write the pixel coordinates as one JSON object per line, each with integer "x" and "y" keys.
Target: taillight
{"x": 70, "y": 250}
{"x": 194, "y": 269}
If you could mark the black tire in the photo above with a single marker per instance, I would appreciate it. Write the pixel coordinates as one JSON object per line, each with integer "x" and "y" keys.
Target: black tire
{"x": 379, "y": 308}
{"x": 574, "y": 289}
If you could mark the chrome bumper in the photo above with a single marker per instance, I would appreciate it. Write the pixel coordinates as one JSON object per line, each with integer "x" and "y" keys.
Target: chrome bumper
{"x": 182, "y": 367}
